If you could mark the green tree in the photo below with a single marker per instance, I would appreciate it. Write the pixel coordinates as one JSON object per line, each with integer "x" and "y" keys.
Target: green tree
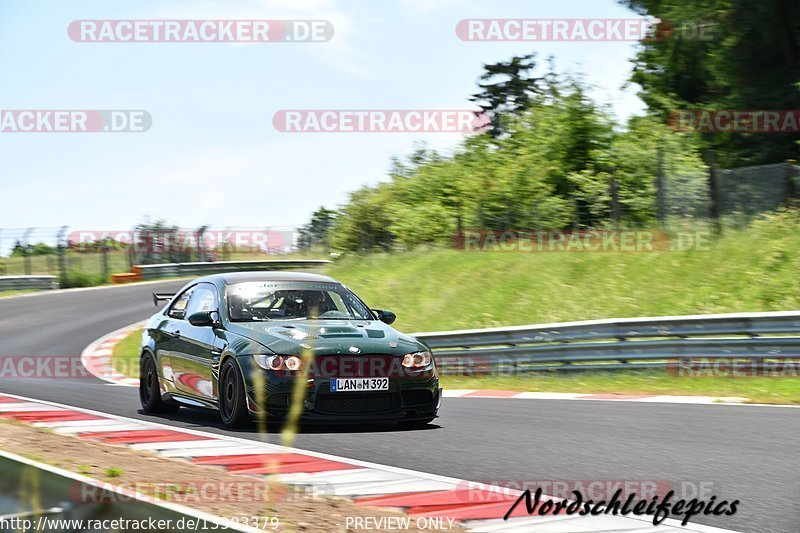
{"x": 39, "y": 248}
{"x": 507, "y": 88}
{"x": 550, "y": 169}
{"x": 735, "y": 54}
{"x": 315, "y": 233}
{"x": 363, "y": 223}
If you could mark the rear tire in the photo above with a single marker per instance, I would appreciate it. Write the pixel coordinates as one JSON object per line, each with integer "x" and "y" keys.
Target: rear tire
{"x": 149, "y": 389}
{"x": 232, "y": 396}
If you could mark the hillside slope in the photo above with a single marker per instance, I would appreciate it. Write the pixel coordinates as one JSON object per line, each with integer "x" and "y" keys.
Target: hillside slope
{"x": 751, "y": 269}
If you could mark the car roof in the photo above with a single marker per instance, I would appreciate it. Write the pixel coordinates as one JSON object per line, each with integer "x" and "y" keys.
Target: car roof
{"x": 239, "y": 277}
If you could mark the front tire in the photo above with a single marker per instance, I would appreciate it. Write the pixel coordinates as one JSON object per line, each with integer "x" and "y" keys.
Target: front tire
{"x": 232, "y": 396}
{"x": 149, "y": 389}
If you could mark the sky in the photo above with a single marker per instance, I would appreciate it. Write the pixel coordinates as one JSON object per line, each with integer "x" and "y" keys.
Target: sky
{"x": 212, "y": 154}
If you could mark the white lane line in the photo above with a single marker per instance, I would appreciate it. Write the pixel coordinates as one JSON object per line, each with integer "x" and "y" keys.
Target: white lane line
{"x": 74, "y": 430}
{"x": 386, "y": 488}
{"x": 179, "y": 445}
{"x": 23, "y": 407}
{"x": 548, "y": 395}
{"x": 625, "y": 523}
{"x": 219, "y": 451}
{"x": 694, "y": 399}
{"x": 683, "y": 400}
{"x": 74, "y": 423}
{"x": 456, "y": 393}
{"x": 305, "y": 478}
{"x": 359, "y": 475}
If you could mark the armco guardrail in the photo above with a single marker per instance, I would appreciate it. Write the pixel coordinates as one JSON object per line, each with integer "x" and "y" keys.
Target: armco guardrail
{"x": 13, "y": 283}
{"x": 616, "y": 343}
{"x": 167, "y": 270}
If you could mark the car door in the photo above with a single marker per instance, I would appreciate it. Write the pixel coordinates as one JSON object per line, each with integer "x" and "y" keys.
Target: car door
{"x": 168, "y": 332}
{"x": 196, "y": 358}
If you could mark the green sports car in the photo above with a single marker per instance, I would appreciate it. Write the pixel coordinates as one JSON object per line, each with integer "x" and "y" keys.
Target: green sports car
{"x": 239, "y": 343}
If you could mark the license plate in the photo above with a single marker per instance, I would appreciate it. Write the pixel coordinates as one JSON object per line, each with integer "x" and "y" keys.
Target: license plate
{"x": 359, "y": 384}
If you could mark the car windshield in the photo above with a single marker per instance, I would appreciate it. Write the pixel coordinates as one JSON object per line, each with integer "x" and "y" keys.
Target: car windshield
{"x": 270, "y": 300}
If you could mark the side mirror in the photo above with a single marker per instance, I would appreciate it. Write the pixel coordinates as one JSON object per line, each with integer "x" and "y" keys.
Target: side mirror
{"x": 204, "y": 319}
{"x": 385, "y": 316}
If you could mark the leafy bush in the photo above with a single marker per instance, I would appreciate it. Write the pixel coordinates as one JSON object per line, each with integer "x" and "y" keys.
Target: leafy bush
{"x": 81, "y": 279}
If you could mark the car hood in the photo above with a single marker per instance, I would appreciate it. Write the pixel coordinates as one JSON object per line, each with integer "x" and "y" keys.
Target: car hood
{"x": 326, "y": 337}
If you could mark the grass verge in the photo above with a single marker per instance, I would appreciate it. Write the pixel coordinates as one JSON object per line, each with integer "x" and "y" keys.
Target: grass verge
{"x": 747, "y": 270}
{"x": 9, "y": 293}
{"x": 125, "y": 355}
{"x": 656, "y": 382}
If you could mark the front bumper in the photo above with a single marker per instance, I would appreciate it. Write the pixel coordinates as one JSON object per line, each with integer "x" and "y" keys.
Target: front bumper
{"x": 409, "y": 398}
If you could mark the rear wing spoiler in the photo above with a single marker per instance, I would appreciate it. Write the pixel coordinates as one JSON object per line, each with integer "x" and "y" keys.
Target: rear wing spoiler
{"x": 162, "y": 297}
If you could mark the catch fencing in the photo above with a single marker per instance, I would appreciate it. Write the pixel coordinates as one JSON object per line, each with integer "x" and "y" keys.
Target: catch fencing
{"x": 86, "y": 258}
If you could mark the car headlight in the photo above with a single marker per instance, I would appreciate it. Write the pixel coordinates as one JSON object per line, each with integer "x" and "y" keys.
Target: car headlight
{"x": 278, "y": 362}
{"x": 292, "y": 363}
{"x": 417, "y": 360}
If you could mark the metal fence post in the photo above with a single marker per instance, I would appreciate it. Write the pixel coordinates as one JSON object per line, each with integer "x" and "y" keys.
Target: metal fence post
{"x": 133, "y": 249}
{"x": 26, "y": 250}
{"x": 661, "y": 201}
{"x": 62, "y": 260}
{"x": 104, "y": 252}
{"x": 615, "y": 212}
{"x": 712, "y": 192}
{"x": 201, "y": 252}
{"x": 791, "y": 189}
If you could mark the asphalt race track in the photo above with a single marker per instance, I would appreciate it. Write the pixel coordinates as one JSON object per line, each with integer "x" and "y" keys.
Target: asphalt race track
{"x": 747, "y": 453}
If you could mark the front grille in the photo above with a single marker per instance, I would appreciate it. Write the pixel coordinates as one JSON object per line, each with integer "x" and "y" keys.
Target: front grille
{"x": 354, "y": 366}
{"x": 346, "y": 403}
{"x": 417, "y": 397}
{"x": 281, "y": 399}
